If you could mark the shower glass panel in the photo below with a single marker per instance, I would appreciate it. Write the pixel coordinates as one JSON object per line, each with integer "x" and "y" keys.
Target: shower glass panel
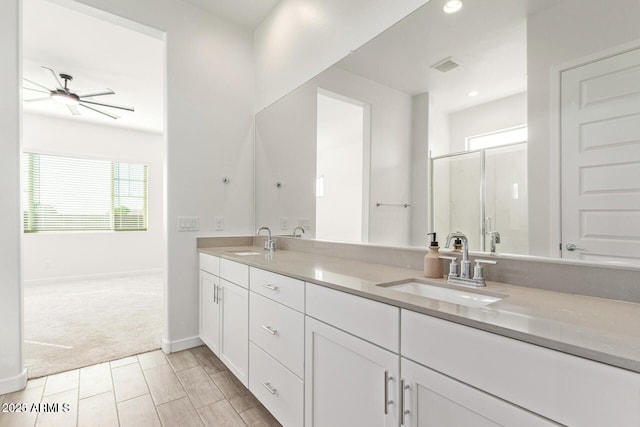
{"x": 480, "y": 192}
{"x": 506, "y": 207}
{"x": 456, "y": 186}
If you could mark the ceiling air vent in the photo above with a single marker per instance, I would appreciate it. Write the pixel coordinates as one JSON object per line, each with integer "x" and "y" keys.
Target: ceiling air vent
{"x": 447, "y": 64}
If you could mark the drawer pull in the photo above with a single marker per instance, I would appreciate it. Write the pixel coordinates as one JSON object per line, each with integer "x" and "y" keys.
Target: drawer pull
{"x": 268, "y": 329}
{"x": 269, "y": 388}
{"x": 271, "y": 287}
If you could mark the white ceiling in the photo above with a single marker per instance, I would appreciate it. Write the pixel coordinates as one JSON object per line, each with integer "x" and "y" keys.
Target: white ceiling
{"x": 487, "y": 36}
{"x": 98, "y": 55}
{"x": 246, "y": 13}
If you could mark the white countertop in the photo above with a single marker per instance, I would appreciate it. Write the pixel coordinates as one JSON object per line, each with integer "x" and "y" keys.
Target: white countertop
{"x": 599, "y": 329}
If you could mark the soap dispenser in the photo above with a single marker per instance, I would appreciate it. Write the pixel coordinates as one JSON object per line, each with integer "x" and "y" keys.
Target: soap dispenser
{"x": 432, "y": 261}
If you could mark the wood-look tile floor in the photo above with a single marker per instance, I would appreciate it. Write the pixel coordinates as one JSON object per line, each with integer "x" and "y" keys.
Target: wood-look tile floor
{"x": 188, "y": 388}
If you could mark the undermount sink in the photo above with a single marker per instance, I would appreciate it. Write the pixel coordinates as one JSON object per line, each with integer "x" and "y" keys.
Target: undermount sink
{"x": 246, "y": 253}
{"x": 468, "y": 298}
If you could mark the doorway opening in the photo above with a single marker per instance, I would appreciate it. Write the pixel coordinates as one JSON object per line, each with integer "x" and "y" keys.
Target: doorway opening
{"x": 93, "y": 191}
{"x": 342, "y": 168}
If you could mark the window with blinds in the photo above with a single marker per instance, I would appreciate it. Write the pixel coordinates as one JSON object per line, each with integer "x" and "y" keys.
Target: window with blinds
{"x": 75, "y": 194}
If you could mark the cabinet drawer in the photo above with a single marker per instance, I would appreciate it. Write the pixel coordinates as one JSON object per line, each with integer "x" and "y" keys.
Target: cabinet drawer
{"x": 279, "y": 331}
{"x": 279, "y": 390}
{"x": 234, "y": 272}
{"x": 210, "y": 264}
{"x": 277, "y": 287}
{"x": 370, "y": 320}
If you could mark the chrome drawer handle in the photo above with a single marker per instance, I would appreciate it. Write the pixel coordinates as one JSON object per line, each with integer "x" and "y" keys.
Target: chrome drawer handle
{"x": 268, "y": 387}
{"x": 273, "y": 288}
{"x": 268, "y": 329}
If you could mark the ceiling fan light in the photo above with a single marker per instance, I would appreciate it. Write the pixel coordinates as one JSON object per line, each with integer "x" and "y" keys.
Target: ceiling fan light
{"x": 65, "y": 98}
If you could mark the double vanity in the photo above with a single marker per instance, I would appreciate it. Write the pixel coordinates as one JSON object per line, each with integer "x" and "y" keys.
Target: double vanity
{"x": 330, "y": 341}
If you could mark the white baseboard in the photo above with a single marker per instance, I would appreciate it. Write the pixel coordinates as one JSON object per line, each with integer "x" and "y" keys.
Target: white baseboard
{"x": 115, "y": 274}
{"x": 9, "y": 385}
{"x": 169, "y": 347}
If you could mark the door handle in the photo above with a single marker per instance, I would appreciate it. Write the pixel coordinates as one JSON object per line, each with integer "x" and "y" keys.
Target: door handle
{"x": 387, "y": 402}
{"x": 571, "y": 247}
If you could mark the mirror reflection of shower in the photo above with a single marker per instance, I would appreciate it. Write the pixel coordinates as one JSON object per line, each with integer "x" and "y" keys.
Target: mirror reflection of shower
{"x": 483, "y": 193}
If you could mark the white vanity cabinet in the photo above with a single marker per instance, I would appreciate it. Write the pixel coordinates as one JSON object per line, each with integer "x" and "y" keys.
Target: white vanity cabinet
{"x": 276, "y": 347}
{"x": 432, "y": 399}
{"x": 350, "y": 381}
{"x": 559, "y": 387}
{"x": 224, "y": 312}
{"x": 209, "y": 306}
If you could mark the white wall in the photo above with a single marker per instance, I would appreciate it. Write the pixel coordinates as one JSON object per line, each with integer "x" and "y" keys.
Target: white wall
{"x": 499, "y": 114}
{"x": 88, "y": 254}
{"x": 12, "y": 372}
{"x": 572, "y": 30}
{"x": 286, "y": 147}
{"x": 420, "y": 170}
{"x": 209, "y": 126}
{"x": 301, "y": 38}
{"x": 339, "y": 161}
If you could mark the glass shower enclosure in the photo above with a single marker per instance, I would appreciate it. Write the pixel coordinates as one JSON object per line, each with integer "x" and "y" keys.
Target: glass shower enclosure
{"x": 483, "y": 194}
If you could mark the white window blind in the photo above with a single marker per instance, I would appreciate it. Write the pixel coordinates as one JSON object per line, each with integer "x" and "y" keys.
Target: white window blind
{"x": 73, "y": 194}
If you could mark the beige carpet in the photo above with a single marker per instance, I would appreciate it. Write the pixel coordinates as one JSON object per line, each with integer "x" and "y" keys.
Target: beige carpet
{"x": 72, "y": 324}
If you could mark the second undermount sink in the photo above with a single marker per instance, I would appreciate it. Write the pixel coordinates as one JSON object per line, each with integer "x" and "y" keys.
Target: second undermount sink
{"x": 246, "y": 253}
{"x": 468, "y": 298}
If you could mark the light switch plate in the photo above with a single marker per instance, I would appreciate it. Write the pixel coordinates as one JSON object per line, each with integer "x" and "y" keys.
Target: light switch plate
{"x": 188, "y": 223}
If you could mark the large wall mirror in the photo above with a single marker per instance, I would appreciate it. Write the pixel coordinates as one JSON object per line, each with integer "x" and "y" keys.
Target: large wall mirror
{"x": 516, "y": 122}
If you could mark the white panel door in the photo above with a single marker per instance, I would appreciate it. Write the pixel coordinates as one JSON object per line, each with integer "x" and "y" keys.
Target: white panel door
{"x": 600, "y": 138}
{"x": 210, "y": 311}
{"x": 234, "y": 342}
{"x": 347, "y": 380}
{"x": 434, "y": 400}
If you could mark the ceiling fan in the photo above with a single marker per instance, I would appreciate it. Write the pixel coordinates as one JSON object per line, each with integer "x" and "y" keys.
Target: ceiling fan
{"x": 72, "y": 100}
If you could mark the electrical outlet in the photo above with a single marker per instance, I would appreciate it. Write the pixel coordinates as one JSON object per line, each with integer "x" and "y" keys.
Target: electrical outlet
{"x": 284, "y": 223}
{"x": 188, "y": 223}
{"x": 219, "y": 223}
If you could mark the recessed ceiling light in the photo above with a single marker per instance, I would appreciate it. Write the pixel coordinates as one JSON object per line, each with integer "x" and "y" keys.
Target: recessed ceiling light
{"x": 452, "y": 6}
{"x": 473, "y": 93}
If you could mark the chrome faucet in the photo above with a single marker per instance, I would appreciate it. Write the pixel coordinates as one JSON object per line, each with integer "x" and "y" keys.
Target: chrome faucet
{"x": 464, "y": 277}
{"x": 269, "y": 245}
{"x": 465, "y": 265}
{"x": 296, "y": 229}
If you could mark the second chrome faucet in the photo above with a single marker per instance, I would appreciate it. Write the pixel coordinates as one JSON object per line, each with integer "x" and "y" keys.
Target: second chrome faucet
{"x": 269, "y": 244}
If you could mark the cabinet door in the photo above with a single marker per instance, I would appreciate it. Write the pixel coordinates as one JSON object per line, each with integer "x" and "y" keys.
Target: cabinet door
{"x": 433, "y": 400}
{"x": 234, "y": 343}
{"x": 348, "y": 381}
{"x": 210, "y": 311}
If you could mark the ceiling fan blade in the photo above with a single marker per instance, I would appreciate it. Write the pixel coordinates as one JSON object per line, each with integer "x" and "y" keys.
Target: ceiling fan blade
{"x": 120, "y": 107}
{"x": 35, "y": 90}
{"x": 73, "y": 109}
{"x": 106, "y": 91}
{"x": 97, "y": 111}
{"x": 37, "y": 99}
{"x": 36, "y": 84}
{"x": 53, "y": 74}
